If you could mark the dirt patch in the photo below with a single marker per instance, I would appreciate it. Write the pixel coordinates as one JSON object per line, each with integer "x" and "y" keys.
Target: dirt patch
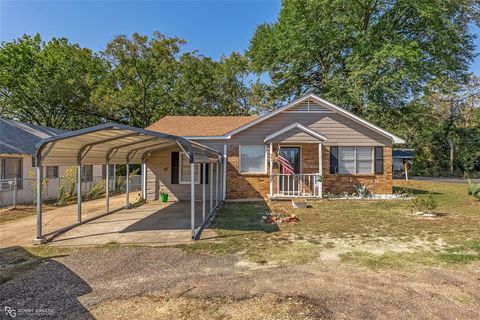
{"x": 21, "y": 211}
{"x": 146, "y": 283}
{"x": 268, "y": 306}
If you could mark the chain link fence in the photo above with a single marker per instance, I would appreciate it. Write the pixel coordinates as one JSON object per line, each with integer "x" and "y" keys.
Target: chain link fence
{"x": 62, "y": 190}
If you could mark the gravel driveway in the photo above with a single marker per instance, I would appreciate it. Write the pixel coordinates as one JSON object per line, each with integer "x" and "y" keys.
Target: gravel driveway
{"x": 167, "y": 283}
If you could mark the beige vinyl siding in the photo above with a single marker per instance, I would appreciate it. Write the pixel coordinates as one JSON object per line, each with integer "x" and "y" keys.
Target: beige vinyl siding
{"x": 338, "y": 129}
{"x": 159, "y": 173}
{"x": 295, "y": 135}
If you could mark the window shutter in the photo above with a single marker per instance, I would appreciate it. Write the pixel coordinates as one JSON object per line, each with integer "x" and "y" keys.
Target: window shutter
{"x": 206, "y": 172}
{"x": 378, "y": 160}
{"x": 333, "y": 159}
{"x": 175, "y": 167}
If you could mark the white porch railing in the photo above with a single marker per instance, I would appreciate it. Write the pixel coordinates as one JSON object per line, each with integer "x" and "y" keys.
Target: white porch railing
{"x": 306, "y": 185}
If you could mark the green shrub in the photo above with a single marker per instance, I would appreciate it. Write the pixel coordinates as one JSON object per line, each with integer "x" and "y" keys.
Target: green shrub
{"x": 474, "y": 189}
{"x": 424, "y": 203}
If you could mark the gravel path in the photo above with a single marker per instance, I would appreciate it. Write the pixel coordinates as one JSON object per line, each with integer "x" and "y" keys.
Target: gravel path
{"x": 146, "y": 283}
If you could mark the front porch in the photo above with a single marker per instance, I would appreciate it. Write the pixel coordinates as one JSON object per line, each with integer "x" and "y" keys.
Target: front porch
{"x": 295, "y": 163}
{"x": 286, "y": 186}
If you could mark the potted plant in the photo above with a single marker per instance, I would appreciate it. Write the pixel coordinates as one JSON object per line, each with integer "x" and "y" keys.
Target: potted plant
{"x": 163, "y": 196}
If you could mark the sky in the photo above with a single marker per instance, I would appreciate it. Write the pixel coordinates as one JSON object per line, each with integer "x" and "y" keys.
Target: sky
{"x": 211, "y": 27}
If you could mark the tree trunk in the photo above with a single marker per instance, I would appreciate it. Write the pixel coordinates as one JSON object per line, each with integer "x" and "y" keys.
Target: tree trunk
{"x": 451, "y": 156}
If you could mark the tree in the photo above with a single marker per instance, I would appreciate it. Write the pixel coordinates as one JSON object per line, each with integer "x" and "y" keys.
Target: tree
{"x": 49, "y": 83}
{"x": 142, "y": 75}
{"x": 369, "y": 56}
{"x": 226, "y": 87}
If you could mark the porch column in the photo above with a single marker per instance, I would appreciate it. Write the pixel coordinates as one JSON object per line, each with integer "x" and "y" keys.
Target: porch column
{"x": 107, "y": 186}
{"x": 320, "y": 169}
{"x": 220, "y": 177}
{"x": 223, "y": 166}
{"x": 204, "y": 179}
{"x": 127, "y": 187}
{"x": 211, "y": 187}
{"x": 271, "y": 169}
{"x": 79, "y": 192}
{"x": 39, "y": 172}
{"x": 192, "y": 198}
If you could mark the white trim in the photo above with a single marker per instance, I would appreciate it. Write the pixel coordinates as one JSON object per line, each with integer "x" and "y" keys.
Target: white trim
{"x": 355, "y": 168}
{"x": 325, "y": 103}
{"x": 224, "y": 169}
{"x": 240, "y": 157}
{"x": 180, "y": 181}
{"x": 297, "y": 126}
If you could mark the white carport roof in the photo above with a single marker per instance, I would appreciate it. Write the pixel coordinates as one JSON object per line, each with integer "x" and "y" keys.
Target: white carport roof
{"x": 115, "y": 143}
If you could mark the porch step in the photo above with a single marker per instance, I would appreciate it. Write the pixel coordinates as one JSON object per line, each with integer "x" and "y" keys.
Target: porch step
{"x": 300, "y": 204}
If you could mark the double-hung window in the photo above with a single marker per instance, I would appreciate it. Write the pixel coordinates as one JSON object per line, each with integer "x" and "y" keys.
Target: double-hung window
{"x": 253, "y": 159}
{"x": 355, "y": 160}
{"x": 185, "y": 170}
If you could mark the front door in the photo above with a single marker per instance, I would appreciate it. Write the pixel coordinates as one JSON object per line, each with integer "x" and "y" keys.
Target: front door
{"x": 289, "y": 184}
{"x": 292, "y": 154}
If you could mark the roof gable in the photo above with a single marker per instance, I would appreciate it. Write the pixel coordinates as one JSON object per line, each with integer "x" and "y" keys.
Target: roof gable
{"x": 325, "y": 107}
{"x": 296, "y": 126}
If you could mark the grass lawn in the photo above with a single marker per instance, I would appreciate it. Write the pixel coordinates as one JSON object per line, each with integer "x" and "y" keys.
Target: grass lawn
{"x": 376, "y": 234}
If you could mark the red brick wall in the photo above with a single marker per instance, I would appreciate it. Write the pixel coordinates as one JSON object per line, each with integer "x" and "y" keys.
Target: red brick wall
{"x": 254, "y": 186}
{"x": 338, "y": 183}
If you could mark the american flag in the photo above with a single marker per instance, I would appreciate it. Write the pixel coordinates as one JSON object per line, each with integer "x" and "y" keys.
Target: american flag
{"x": 286, "y": 166}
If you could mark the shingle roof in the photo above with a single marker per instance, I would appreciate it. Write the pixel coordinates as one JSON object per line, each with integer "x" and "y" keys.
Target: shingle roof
{"x": 199, "y": 126}
{"x": 21, "y": 138}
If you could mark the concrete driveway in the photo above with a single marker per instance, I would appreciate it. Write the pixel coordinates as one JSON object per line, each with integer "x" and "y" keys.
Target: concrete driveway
{"x": 152, "y": 223}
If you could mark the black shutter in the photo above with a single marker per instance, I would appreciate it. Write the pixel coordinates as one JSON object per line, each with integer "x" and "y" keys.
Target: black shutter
{"x": 175, "y": 167}
{"x": 333, "y": 160}
{"x": 206, "y": 172}
{"x": 378, "y": 160}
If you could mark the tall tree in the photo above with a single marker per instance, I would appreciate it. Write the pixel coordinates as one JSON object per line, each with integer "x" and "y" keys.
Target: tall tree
{"x": 224, "y": 87}
{"x": 370, "y": 56}
{"x": 48, "y": 83}
{"x": 141, "y": 79}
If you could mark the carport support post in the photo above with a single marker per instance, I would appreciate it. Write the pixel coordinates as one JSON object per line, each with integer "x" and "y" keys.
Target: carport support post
{"x": 144, "y": 181}
{"x": 39, "y": 239}
{"x": 114, "y": 179}
{"x": 211, "y": 187}
{"x": 107, "y": 186}
{"x": 79, "y": 192}
{"x": 127, "y": 187}
{"x": 204, "y": 179}
{"x": 192, "y": 198}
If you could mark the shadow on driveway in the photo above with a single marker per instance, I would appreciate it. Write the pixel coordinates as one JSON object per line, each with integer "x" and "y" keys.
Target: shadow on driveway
{"x": 51, "y": 292}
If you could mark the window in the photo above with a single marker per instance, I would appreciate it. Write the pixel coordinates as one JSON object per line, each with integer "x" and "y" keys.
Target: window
{"x": 51, "y": 172}
{"x": 185, "y": 170}
{"x": 87, "y": 173}
{"x": 110, "y": 171}
{"x": 355, "y": 160}
{"x": 253, "y": 159}
{"x": 11, "y": 169}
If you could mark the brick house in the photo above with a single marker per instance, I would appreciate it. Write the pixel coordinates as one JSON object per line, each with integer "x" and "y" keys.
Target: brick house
{"x": 328, "y": 149}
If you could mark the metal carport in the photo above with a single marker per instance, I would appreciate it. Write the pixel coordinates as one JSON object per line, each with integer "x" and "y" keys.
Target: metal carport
{"x": 113, "y": 143}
